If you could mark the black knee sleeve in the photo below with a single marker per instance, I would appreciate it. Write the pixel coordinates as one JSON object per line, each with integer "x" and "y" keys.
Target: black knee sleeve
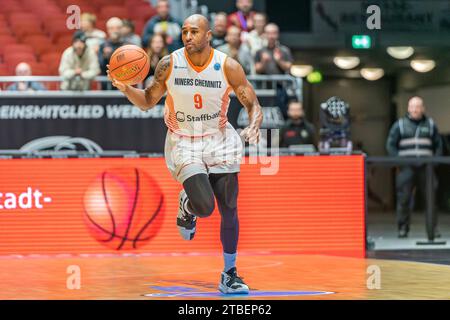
{"x": 226, "y": 189}
{"x": 200, "y": 195}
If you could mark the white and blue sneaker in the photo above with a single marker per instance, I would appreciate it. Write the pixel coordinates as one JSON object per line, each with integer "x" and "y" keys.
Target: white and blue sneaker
{"x": 186, "y": 221}
{"x": 230, "y": 282}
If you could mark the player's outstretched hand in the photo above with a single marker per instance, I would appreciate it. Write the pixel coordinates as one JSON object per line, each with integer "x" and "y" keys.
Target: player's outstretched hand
{"x": 251, "y": 134}
{"x": 119, "y": 85}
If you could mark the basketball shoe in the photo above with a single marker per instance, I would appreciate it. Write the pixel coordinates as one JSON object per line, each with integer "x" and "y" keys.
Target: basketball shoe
{"x": 230, "y": 282}
{"x": 186, "y": 221}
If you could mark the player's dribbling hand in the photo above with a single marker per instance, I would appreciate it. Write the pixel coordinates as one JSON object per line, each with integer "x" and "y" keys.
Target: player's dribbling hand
{"x": 251, "y": 134}
{"x": 119, "y": 85}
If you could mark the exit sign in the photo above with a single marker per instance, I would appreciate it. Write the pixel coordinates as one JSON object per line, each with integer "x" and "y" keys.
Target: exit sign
{"x": 361, "y": 42}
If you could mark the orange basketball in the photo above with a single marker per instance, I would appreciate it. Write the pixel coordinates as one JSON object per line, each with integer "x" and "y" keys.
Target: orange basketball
{"x": 129, "y": 64}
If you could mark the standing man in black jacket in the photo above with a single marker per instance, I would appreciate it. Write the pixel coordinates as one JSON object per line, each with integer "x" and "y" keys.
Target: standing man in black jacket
{"x": 414, "y": 135}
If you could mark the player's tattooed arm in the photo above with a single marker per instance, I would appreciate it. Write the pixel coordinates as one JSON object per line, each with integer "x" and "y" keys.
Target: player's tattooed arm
{"x": 157, "y": 87}
{"x": 247, "y": 96}
{"x": 148, "y": 98}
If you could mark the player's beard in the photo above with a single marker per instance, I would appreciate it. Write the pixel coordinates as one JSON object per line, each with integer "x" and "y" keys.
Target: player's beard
{"x": 193, "y": 49}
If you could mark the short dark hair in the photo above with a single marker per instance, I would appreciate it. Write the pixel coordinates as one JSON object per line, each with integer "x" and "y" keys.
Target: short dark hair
{"x": 128, "y": 23}
{"x": 221, "y": 13}
{"x": 290, "y": 101}
{"x": 262, "y": 14}
{"x": 79, "y": 36}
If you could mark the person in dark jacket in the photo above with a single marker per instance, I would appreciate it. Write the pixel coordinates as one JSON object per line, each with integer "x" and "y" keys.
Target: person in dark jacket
{"x": 297, "y": 130}
{"x": 106, "y": 49}
{"x": 414, "y": 135}
{"x": 219, "y": 30}
{"x": 163, "y": 23}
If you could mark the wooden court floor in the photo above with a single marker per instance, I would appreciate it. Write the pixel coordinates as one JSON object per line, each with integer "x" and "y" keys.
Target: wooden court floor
{"x": 196, "y": 277}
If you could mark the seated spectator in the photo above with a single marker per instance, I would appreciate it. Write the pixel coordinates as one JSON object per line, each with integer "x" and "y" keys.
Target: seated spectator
{"x": 273, "y": 58}
{"x": 156, "y": 51}
{"x": 113, "y": 27}
{"x": 128, "y": 35}
{"x": 243, "y": 17}
{"x": 23, "y": 69}
{"x": 164, "y": 24}
{"x": 234, "y": 49}
{"x": 94, "y": 37}
{"x": 256, "y": 39}
{"x": 219, "y": 30}
{"x": 297, "y": 129}
{"x": 79, "y": 64}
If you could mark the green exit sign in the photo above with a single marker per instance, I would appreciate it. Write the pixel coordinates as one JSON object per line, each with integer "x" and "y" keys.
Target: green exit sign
{"x": 361, "y": 42}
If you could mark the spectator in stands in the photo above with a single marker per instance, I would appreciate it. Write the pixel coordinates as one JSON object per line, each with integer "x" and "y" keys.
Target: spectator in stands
{"x": 219, "y": 30}
{"x": 236, "y": 50}
{"x": 297, "y": 129}
{"x": 243, "y": 17}
{"x": 156, "y": 50}
{"x": 94, "y": 37}
{"x": 114, "y": 41}
{"x": 128, "y": 35}
{"x": 164, "y": 24}
{"x": 256, "y": 39}
{"x": 79, "y": 64}
{"x": 24, "y": 69}
{"x": 273, "y": 58}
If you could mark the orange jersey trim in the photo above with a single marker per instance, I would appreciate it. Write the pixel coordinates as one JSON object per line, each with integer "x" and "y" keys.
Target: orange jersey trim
{"x": 223, "y": 108}
{"x": 199, "y": 69}
{"x": 223, "y": 70}
{"x": 171, "y": 120}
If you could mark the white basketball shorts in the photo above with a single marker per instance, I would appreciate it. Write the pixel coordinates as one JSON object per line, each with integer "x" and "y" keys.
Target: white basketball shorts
{"x": 216, "y": 153}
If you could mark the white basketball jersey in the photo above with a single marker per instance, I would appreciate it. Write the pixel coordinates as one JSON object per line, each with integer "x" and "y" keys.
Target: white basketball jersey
{"x": 197, "y": 97}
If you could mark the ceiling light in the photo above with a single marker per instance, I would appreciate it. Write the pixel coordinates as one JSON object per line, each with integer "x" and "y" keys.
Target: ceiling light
{"x": 400, "y": 52}
{"x": 423, "y": 65}
{"x": 346, "y": 62}
{"x": 372, "y": 74}
{"x": 301, "y": 70}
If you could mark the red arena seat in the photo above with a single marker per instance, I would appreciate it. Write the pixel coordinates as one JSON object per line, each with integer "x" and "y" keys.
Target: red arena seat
{"x": 40, "y": 43}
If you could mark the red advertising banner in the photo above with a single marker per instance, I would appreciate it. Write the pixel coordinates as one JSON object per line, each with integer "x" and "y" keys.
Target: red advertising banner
{"x": 111, "y": 205}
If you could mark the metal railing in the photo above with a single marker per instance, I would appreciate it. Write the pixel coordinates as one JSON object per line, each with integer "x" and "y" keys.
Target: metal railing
{"x": 262, "y": 83}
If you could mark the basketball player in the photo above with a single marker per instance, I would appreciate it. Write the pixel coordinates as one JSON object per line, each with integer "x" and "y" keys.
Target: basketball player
{"x": 203, "y": 151}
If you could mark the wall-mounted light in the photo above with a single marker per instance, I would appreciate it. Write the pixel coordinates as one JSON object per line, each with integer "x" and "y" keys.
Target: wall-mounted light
{"x": 372, "y": 74}
{"x": 301, "y": 70}
{"x": 346, "y": 62}
{"x": 400, "y": 52}
{"x": 423, "y": 65}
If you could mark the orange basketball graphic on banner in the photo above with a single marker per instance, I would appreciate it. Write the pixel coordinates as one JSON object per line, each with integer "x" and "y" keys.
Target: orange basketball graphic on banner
{"x": 124, "y": 208}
